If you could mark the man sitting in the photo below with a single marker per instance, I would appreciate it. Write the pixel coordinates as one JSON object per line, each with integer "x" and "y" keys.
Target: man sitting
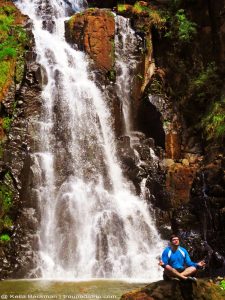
{"x": 177, "y": 263}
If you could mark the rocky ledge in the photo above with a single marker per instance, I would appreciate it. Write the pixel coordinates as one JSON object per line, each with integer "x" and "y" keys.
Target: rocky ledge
{"x": 177, "y": 290}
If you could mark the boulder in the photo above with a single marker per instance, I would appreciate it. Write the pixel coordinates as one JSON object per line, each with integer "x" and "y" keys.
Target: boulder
{"x": 177, "y": 290}
{"x": 93, "y": 31}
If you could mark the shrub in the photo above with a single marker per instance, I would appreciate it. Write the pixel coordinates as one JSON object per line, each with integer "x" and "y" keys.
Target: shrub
{"x": 13, "y": 39}
{"x": 186, "y": 28}
{"x": 222, "y": 284}
{"x": 180, "y": 27}
{"x": 6, "y": 22}
{"x": 7, "y": 222}
{"x": 4, "y": 238}
{"x": 4, "y": 72}
{"x": 7, "y": 53}
{"x": 157, "y": 20}
{"x": 213, "y": 123}
{"x": 6, "y": 124}
{"x": 121, "y": 8}
{"x": 205, "y": 85}
{"x": 205, "y": 75}
{"x": 5, "y": 197}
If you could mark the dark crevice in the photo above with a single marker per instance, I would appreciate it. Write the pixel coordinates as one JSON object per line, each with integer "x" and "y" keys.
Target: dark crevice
{"x": 150, "y": 123}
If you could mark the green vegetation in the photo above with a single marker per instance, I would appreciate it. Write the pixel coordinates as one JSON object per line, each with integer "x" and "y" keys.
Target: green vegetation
{"x": 112, "y": 75}
{"x": 7, "y": 9}
{"x": 121, "y": 8}
{"x": 193, "y": 77}
{"x": 6, "y": 194}
{"x": 186, "y": 28}
{"x": 4, "y": 71}
{"x": 6, "y": 197}
{"x": 222, "y": 284}
{"x": 6, "y": 21}
{"x": 213, "y": 123}
{"x": 154, "y": 17}
{"x": 205, "y": 84}
{"x": 140, "y": 8}
{"x": 157, "y": 19}
{"x": 6, "y": 124}
{"x": 4, "y": 238}
{"x": 12, "y": 42}
{"x": 180, "y": 27}
{"x": 7, "y": 222}
{"x": 157, "y": 87}
{"x": 205, "y": 76}
{"x": 6, "y": 203}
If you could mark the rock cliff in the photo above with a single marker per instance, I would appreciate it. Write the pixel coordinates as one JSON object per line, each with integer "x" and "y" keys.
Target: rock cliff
{"x": 177, "y": 95}
{"x": 20, "y": 102}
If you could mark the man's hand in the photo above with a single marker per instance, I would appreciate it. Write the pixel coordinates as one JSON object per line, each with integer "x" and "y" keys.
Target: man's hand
{"x": 201, "y": 263}
{"x": 161, "y": 264}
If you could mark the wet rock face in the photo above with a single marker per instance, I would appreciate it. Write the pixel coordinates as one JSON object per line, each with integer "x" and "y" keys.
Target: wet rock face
{"x": 93, "y": 31}
{"x": 22, "y": 103}
{"x": 200, "y": 222}
{"x": 140, "y": 162}
{"x": 208, "y": 200}
{"x": 173, "y": 290}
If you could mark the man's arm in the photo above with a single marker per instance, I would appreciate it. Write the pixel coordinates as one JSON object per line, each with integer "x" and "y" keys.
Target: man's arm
{"x": 190, "y": 263}
{"x": 188, "y": 260}
{"x": 165, "y": 258}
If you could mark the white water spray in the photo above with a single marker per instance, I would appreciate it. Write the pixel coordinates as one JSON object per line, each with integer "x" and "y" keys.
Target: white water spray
{"x": 126, "y": 43}
{"x": 91, "y": 223}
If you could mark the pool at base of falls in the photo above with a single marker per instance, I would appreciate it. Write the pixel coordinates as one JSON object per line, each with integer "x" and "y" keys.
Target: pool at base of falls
{"x": 44, "y": 289}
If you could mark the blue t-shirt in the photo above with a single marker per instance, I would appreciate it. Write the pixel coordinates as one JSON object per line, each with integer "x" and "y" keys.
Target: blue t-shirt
{"x": 178, "y": 259}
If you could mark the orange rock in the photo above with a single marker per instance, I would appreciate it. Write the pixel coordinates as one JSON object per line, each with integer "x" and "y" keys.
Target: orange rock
{"x": 93, "y": 31}
{"x": 178, "y": 182}
{"x": 173, "y": 145}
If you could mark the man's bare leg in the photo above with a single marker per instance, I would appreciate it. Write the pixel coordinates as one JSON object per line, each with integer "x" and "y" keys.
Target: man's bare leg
{"x": 189, "y": 271}
{"x": 174, "y": 273}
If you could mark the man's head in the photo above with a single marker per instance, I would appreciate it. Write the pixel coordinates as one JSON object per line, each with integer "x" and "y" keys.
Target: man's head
{"x": 174, "y": 240}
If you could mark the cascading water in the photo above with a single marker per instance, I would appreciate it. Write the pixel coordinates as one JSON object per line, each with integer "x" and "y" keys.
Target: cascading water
{"x": 126, "y": 43}
{"x": 91, "y": 223}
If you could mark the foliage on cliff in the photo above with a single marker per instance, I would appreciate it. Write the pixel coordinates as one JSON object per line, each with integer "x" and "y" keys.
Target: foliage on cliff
{"x": 12, "y": 46}
{"x": 147, "y": 14}
{"x": 194, "y": 77}
{"x": 6, "y": 203}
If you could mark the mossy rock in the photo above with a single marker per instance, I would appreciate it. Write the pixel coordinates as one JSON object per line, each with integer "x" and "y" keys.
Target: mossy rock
{"x": 177, "y": 290}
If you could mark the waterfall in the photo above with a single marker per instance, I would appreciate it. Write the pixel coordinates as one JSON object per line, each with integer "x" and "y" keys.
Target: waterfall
{"x": 92, "y": 225}
{"x": 126, "y": 43}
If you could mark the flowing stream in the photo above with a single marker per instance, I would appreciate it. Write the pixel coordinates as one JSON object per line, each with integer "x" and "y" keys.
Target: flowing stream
{"x": 92, "y": 225}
